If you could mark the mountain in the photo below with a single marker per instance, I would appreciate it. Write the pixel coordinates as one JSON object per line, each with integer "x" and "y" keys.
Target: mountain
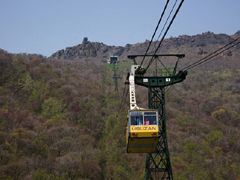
{"x": 195, "y": 47}
{"x": 62, "y": 119}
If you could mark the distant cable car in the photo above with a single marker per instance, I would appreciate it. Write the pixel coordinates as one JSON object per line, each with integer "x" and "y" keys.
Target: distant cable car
{"x": 113, "y": 60}
{"x": 142, "y": 131}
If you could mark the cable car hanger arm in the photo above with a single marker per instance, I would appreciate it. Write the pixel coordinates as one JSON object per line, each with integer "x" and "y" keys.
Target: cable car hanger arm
{"x": 132, "y": 95}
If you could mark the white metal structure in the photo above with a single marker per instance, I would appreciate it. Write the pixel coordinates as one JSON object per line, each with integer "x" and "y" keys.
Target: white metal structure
{"x": 133, "y": 102}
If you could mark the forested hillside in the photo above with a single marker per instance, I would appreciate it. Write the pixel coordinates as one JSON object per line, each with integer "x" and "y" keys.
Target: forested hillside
{"x": 62, "y": 120}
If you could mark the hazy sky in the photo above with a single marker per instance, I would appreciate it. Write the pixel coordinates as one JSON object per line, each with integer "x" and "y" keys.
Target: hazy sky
{"x": 46, "y": 26}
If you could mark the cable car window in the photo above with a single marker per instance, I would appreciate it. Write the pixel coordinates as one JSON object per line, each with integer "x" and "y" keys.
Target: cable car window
{"x": 150, "y": 118}
{"x": 136, "y": 120}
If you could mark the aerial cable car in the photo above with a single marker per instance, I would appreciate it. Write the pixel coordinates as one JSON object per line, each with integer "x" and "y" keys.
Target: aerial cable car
{"x": 142, "y": 131}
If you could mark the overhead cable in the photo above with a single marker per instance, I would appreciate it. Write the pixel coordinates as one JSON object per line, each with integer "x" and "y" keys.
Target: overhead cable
{"x": 165, "y": 33}
{"x": 168, "y": 89}
{"x": 155, "y": 31}
{"x": 123, "y": 98}
{"x": 167, "y": 20}
{"x": 213, "y": 54}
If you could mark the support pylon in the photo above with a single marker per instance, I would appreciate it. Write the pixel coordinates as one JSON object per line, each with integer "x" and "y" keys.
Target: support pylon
{"x": 158, "y": 165}
{"x": 115, "y": 77}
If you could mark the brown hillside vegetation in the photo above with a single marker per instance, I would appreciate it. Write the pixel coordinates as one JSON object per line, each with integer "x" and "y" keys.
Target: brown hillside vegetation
{"x": 58, "y": 121}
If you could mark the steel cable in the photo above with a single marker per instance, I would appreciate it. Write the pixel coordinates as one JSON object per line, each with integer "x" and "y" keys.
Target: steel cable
{"x": 211, "y": 55}
{"x": 155, "y": 31}
{"x": 167, "y": 20}
{"x": 165, "y": 32}
{"x": 123, "y": 98}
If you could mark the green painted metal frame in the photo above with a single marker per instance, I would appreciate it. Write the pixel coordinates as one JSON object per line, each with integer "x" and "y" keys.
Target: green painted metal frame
{"x": 115, "y": 77}
{"x": 158, "y": 165}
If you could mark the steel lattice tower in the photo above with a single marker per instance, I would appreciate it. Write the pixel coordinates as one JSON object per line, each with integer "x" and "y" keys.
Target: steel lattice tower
{"x": 158, "y": 165}
{"x": 115, "y": 76}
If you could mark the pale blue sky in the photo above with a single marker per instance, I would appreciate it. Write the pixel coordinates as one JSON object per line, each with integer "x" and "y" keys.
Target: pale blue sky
{"x": 46, "y": 26}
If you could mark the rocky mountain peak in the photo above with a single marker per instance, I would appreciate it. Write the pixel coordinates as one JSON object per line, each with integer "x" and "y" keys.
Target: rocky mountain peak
{"x": 85, "y": 40}
{"x": 195, "y": 47}
{"x": 237, "y": 34}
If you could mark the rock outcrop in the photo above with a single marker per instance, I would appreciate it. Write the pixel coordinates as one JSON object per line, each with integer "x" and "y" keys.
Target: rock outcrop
{"x": 195, "y": 47}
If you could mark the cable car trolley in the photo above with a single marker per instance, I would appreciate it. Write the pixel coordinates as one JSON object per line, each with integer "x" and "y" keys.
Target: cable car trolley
{"x": 142, "y": 131}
